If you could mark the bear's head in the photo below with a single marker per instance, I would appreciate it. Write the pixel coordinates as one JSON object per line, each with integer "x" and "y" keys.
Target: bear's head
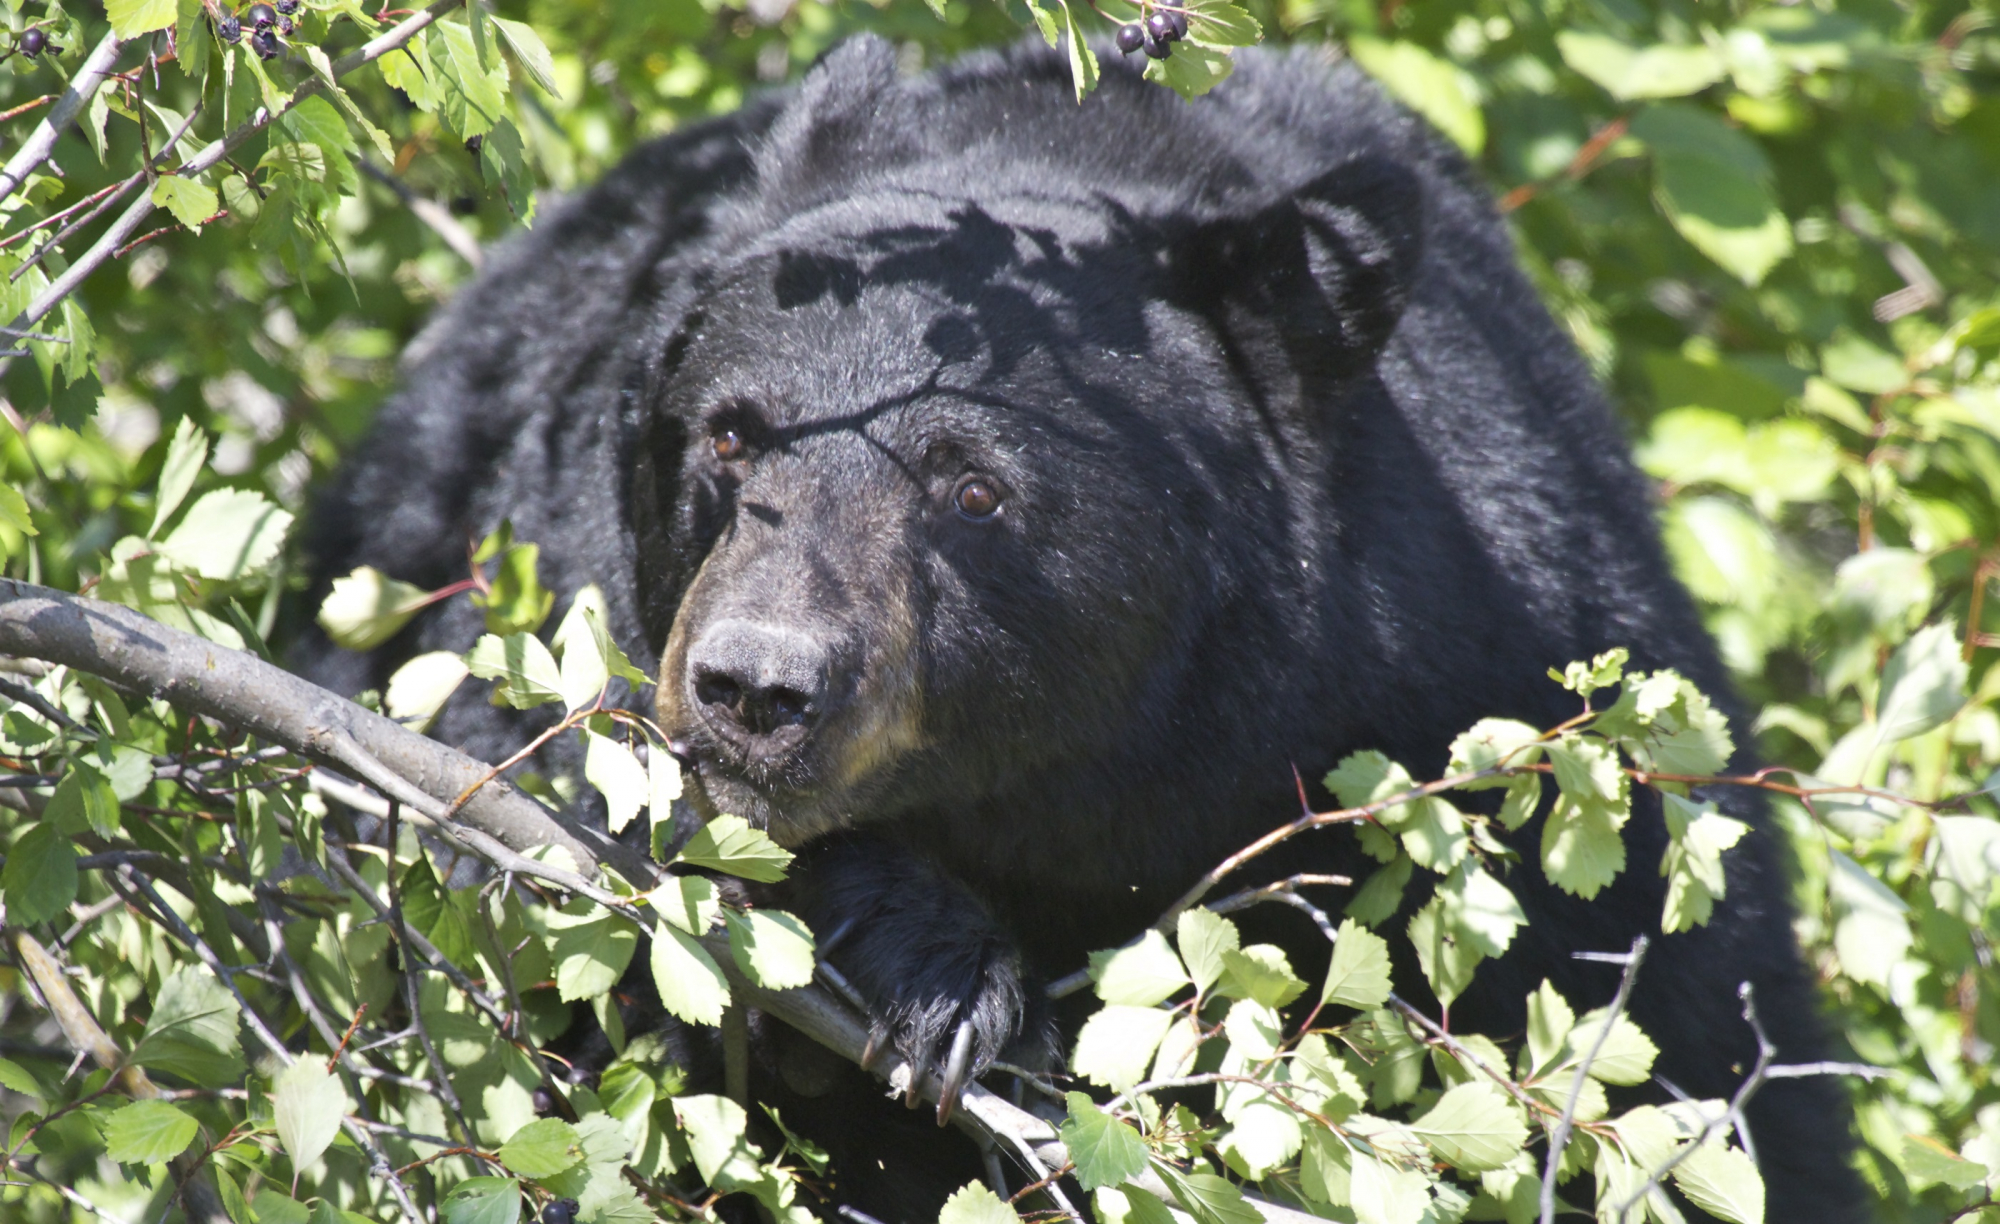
{"x": 972, "y": 452}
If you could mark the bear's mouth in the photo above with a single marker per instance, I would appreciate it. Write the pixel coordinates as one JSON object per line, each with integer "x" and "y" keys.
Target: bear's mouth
{"x": 792, "y": 817}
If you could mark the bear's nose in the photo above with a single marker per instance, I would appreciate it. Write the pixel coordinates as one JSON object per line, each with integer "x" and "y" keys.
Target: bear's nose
{"x": 760, "y": 686}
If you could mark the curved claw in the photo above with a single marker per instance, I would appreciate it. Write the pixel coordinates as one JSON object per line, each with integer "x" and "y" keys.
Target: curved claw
{"x": 878, "y": 1040}
{"x": 955, "y": 1070}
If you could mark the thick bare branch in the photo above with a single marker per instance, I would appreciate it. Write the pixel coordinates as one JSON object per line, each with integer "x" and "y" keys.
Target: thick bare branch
{"x": 42, "y": 141}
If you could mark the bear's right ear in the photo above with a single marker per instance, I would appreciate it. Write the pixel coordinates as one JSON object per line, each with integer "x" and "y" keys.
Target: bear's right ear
{"x": 1324, "y": 272}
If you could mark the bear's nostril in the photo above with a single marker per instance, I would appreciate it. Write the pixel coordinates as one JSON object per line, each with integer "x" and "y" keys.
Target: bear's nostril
{"x": 789, "y": 708}
{"x": 718, "y": 689}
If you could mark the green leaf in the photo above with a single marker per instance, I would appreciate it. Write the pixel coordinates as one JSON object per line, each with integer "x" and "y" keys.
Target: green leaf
{"x": 15, "y": 1078}
{"x": 527, "y": 672}
{"x": 1712, "y": 182}
{"x": 1446, "y": 954}
{"x": 973, "y": 1203}
{"x": 1116, "y": 1045}
{"x": 1260, "y": 972}
{"x": 482, "y": 1200}
{"x": 367, "y": 608}
{"x": 1106, "y": 1151}
{"x": 1871, "y": 930}
{"x": 542, "y": 1148}
{"x": 1082, "y": 60}
{"x": 148, "y": 1132}
{"x": 1437, "y": 89}
{"x": 1045, "y": 21}
{"x": 590, "y": 948}
{"x": 728, "y": 844}
{"x": 1381, "y": 895}
{"x": 307, "y": 1106}
{"x": 1923, "y": 686}
{"x": 1219, "y": 23}
{"x": 14, "y": 511}
{"x": 1473, "y": 1127}
{"x": 772, "y": 947}
{"x": 1693, "y": 861}
{"x": 503, "y": 160}
{"x": 715, "y": 1129}
{"x": 39, "y": 880}
{"x": 1141, "y": 975}
{"x": 1358, "y": 975}
{"x": 516, "y": 601}
{"x": 690, "y": 983}
{"x": 1192, "y": 70}
{"x": 610, "y": 767}
{"x": 472, "y": 98}
{"x": 227, "y": 535}
{"x": 1964, "y": 859}
{"x": 1208, "y": 1198}
{"x": 1723, "y": 1182}
{"x": 1381, "y": 1193}
{"x": 1203, "y": 936}
{"x": 190, "y": 201}
{"x": 1550, "y": 1020}
{"x": 1582, "y": 850}
{"x": 186, "y": 455}
{"x": 131, "y": 18}
{"x": 1626, "y": 1055}
{"x": 1928, "y": 1160}
{"x": 1130, "y": 1205}
{"x": 530, "y": 53}
{"x": 690, "y": 902}
{"x": 1490, "y": 743}
{"x": 1660, "y": 71}
{"x": 419, "y": 688}
{"x": 408, "y": 69}
{"x": 192, "y": 1031}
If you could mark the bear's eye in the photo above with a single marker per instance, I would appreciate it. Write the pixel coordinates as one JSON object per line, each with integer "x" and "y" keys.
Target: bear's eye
{"x": 976, "y": 498}
{"x": 728, "y": 445}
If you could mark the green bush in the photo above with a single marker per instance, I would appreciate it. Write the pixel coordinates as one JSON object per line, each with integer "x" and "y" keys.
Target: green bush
{"x": 1771, "y": 229}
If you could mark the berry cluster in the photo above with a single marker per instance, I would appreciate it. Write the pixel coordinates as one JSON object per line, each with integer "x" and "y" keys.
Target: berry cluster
{"x": 267, "y": 24}
{"x": 1157, "y": 33}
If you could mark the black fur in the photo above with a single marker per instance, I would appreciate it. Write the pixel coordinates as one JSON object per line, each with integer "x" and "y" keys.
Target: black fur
{"x": 1293, "y": 464}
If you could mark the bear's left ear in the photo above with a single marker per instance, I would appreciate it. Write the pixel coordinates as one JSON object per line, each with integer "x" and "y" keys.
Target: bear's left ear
{"x": 1324, "y": 272}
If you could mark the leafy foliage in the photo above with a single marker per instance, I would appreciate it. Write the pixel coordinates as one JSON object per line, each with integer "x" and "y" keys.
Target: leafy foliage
{"x": 1769, "y": 229}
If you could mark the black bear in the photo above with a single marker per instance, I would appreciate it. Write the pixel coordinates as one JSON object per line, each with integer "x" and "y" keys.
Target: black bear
{"x": 1010, "y": 494}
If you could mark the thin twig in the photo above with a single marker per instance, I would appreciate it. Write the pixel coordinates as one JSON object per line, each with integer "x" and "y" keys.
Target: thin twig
{"x": 1559, "y": 1138}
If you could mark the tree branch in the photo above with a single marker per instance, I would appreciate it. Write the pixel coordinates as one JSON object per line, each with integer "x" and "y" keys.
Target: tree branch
{"x": 42, "y": 141}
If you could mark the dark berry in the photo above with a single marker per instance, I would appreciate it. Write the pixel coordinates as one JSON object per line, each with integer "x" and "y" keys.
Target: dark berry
{"x": 229, "y": 29}
{"x": 562, "y": 1211}
{"x": 33, "y": 43}
{"x": 1158, "y": 48}
{"x": 1159, "y": 27}
{"x": 285, "y": 25}
{"x": 1130, "y": 38}
{"x": 288, "y": 7}
{"x": 544, "y": 1102}
{"x": 262, "y": 16}
{"x": 474, "y": 144}
{"x": 265, "y": 44}
{"x": 1180, "y": 24}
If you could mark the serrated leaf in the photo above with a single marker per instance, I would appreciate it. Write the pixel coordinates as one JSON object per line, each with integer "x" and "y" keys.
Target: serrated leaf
{"x": 530, "y": 52}
{"x": 527, "y": 672}
{"x": 148, "y": 1132}
{"x": 728, "y": 844}
{"x": 610, "y": 767}
{"x": 1208, "y": 1198}
{"x": 690, "y": 902}
{"x": 1221, "y": 24}
{"x": 14, "y": 511}
{"x": 1116, "y": 1045}
{"x": 1723, "y": 1182}
{"x": 542, "y": 1148}
{"x": 1444, "y": 952}
{"x": 1626, "y": 1055}
{"x": 973, "y": 1203}
{"x": 186, "y": 455}
{"x": 1550, "y": 1020}
{"x": 690, "y": 983}
{"x": 1259, "y": 972}
{"x": 307, "y": 1106}
{"x": 227, "y": 535}
{"x": 715, "y": 1132}
{"x": 472, "y": 97}
{"x": 1481, "y": 908}
{"x": 1582, "y": 849}
{"x": 590, "y": 948}
{"x": 1082, "y": 60}
{"x": 15, "y": 1078}
{"x": 192, "y": 1030}
{"x": 1928, "y": 1160}
{"x": 1106, "y": 1151}
{"x": 367, "y": 608}
{"x": 482, "y": 1200}
{"x": 419, "y": 688}
{"x": 1381, "y": 1193}
{"x": 131, "y": 18}
{"x": 771, "y": 946}
{"x": 1473, "y": 1127}
{"x": 1358, "y": 974}
{"x": 1923, "y": 686}
{"x": 1871, "y": 930}
{"x": 1492, "y": 742}
{"x": 1192, "y": 70}
{"x": 191, "y": 202}
{"x": 39, "y": 880}
{"x": 1203, "y": 936}
{"x": 1045, "y": 21}
{"x": 1140, "y": 975}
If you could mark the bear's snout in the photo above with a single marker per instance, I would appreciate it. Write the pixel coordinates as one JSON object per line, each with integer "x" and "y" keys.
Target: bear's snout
{"x": 759, "y": 686}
